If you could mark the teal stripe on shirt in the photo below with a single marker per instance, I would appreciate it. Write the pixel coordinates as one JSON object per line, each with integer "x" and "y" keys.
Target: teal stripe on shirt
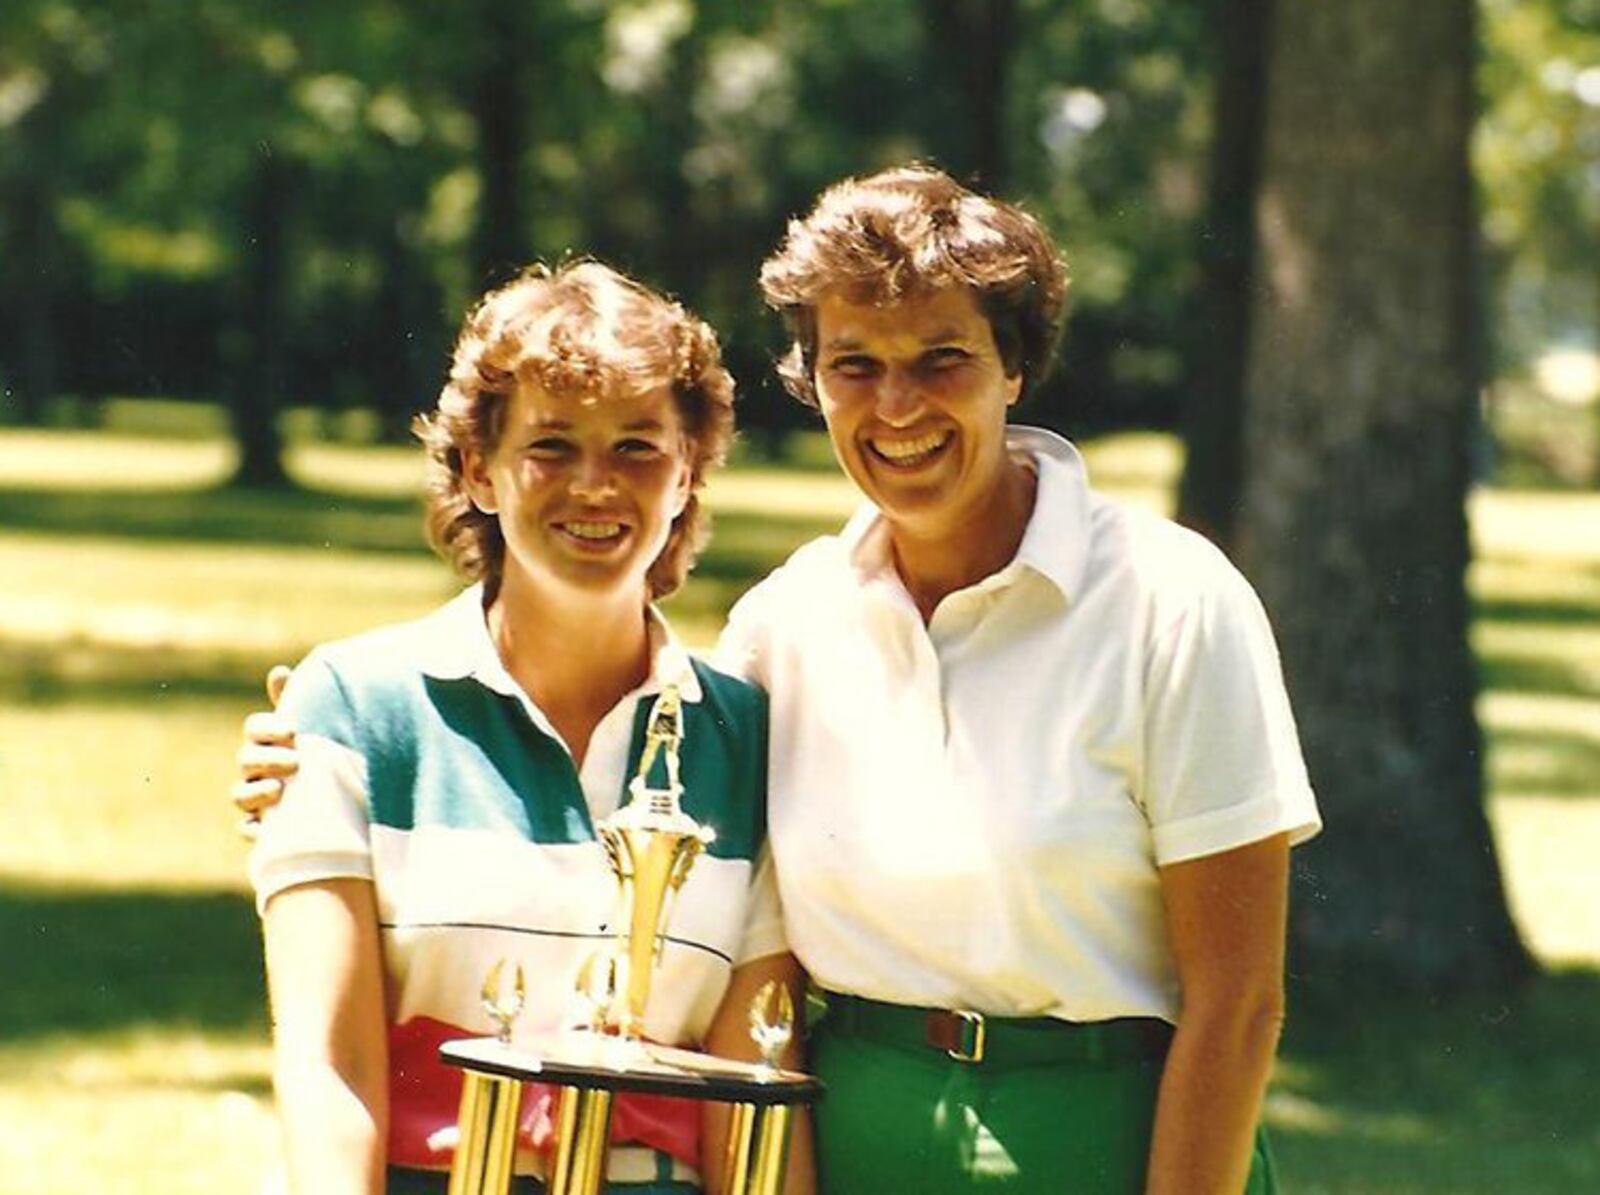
{"x": 455, "y": 753}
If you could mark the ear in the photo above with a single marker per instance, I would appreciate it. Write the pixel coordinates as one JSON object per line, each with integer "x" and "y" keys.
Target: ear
{"x": 475, "y": 480}
{"x": 683, "y": 488}
{"x": 1013, "y": 389}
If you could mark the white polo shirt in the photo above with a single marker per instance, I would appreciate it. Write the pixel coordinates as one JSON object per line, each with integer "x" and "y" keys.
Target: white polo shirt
{"x": 971, "y": 814}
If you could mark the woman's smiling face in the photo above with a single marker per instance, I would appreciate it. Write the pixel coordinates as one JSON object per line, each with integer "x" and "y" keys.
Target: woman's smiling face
{"x": 585, "y": 489}
{"x": 915, "y": 397}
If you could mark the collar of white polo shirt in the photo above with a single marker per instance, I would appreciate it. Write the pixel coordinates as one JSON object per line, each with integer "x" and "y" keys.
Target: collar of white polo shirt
{"x": 460, "y": 646}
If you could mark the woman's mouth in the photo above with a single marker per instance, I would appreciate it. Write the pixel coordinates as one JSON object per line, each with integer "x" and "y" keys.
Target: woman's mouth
{"x": 592, "y": 533}
{"x": 913, "y": 452}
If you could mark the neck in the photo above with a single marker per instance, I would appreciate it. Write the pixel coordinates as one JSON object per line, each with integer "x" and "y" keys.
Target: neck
{"x": 936, "y": 565}
{"x": 576, "y": 658}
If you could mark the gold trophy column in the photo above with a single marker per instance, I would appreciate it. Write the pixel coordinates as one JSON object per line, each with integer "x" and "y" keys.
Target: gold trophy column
{"x": 583, "y": 1132}
{"x": 758, "y": 1135}
{"x": 486, "y": 1153}
{"x": 758, "y": 1149}
{"x": 488, "y": 1119}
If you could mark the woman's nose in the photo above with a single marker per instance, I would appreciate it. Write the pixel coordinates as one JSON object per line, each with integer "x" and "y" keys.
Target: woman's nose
{"x": 899, "y": 398}
{"x": 593, "y": 480}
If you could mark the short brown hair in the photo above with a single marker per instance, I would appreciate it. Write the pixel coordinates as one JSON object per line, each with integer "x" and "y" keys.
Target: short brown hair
{"x": 903, "y": 232}
{"x": 582, "y": 329}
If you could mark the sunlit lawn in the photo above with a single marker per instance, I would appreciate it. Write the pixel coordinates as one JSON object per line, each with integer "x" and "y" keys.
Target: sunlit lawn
{"x": 138, "y": 607}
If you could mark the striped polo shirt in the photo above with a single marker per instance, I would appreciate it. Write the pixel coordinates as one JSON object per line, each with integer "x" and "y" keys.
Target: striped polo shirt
{"x": 426, "y": 769}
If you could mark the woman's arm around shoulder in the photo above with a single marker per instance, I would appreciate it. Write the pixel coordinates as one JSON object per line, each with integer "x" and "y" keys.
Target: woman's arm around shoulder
{"x": 330, "y": 1036}
{"x": 1226, "y": 919}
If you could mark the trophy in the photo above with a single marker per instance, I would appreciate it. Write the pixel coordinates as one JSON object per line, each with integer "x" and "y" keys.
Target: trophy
{"x": 651, "y": 845}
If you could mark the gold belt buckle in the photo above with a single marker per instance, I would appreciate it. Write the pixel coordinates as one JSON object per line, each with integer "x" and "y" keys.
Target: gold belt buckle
{"x": 972, "y": 1028}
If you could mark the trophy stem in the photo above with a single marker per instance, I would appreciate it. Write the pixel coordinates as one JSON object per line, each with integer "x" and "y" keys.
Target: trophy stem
{"x": 758, "y": 1149}
{"x": 583, "y": 1130}
{"x": 488, "y": 1121}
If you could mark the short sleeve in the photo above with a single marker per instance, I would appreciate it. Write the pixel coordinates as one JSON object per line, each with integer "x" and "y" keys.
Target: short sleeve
{"x": 1222, "y": 762}
{"x": 319, "y": 830}
{"x": 742, "y": 649}
{"x": 763, "y": 922}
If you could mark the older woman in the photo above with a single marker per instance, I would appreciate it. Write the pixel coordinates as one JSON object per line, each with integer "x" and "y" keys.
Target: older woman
{"x": 1033, "y": 775}
{"x": 452, "y": 769}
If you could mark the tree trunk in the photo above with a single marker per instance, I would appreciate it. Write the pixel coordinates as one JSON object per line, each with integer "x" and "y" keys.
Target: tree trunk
{"x": 497, "y": 104}
{"x": 259, "y": 343}
{"x": 404, "y": 373}
{"x": 38, "y": 264}
{"x": 1363, "y": 368}
{"x": 974, "y": 42}
{"x": 1213, "y": 415}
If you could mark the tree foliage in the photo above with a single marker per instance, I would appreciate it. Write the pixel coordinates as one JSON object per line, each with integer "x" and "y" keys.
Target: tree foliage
{"x": 290, "y": 204}
{"x": 1538, "y": 158}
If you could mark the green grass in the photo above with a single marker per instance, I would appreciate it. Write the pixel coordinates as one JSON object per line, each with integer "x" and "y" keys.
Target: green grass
{"x": 1423, "y": 1099}
{"x": 141, "y": 602}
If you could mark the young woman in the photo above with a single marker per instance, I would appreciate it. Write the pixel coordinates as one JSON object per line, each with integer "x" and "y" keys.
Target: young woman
{"x": 451, "y": 769}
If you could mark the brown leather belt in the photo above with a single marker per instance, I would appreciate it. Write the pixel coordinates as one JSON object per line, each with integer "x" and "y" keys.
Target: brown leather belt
{"x": 974, "y": 1038}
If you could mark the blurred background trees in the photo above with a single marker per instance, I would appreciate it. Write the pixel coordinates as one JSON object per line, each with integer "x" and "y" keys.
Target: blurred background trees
{"x": 275, "y": 205}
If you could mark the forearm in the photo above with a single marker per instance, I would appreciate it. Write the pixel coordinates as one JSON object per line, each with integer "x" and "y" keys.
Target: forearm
{"x": 330, "y": 1041}
{"x": 1210, "y": 1099}
{"x": 334, "y": 1132}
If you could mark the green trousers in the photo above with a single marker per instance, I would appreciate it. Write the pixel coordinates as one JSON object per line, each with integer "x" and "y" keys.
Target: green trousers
{"x": 903, "y": 1117}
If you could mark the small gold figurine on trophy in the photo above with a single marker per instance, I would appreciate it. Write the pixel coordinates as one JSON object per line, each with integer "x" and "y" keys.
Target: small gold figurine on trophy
{"x": 771, "y": 1022}
{"x": 504, "y": 1008}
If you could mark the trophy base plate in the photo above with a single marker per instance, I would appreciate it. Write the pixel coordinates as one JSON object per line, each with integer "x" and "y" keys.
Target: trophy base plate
{"x": 597, "y": 1061}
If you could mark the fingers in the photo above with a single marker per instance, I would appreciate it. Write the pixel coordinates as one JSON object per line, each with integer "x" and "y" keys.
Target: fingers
{"x": 266, "y": 758}
{"x": 267, "y": 729}
{"x": 264, "y": 761}
{"x": 277, "y": 677}
{"x": 250, "y": 797}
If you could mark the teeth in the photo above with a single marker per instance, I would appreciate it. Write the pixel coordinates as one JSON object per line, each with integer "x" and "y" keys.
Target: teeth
{"x": 903, "y": 451}
{"x": 593, "y": 530}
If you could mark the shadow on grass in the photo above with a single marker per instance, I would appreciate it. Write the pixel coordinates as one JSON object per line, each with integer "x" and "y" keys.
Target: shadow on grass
{"x": 95, "y": 961}
{"x": 1546, "y": 763}
{"x": 113, "y": 674}
{"x": 1465, "y": 1097}
{"x": 1537, "y": 674}
{"x": 293, "y": 517}
{"x": 1547, "y": 610}
{"x": 746, "y": 546}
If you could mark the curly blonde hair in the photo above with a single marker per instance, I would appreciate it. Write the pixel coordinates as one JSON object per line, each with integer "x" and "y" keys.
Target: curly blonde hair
{"x": 581, "y": 329}
{"x": 904, "y": 232}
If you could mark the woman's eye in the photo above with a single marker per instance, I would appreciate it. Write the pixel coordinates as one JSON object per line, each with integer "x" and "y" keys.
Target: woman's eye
{"x": 854, "y": 366}
{"x": 944, "y": 358}
{"x": 548, "y": 446}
